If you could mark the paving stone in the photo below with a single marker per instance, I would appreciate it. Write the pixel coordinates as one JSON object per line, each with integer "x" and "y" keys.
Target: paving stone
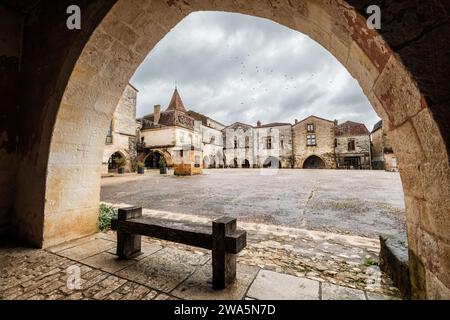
{"x": 74, "y": 243}
{"x": 146, "y": 248}
{"x": 164, "y": 270}
{"x": 377, "y": 296}
{"x": 334, "y": 292}
{"x": 87, "y": 249}
{"x": 199, "y": 285}
{"x": 103, "y": 288}
{"x": 270, "y": 285}
{"x": 163, "y": 296}
{"x": 108, "y": 262}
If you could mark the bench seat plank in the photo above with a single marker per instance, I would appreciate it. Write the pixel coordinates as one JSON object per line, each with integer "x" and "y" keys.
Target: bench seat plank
{"x": 180, "y": 232}
{"x": 197, "y": 236}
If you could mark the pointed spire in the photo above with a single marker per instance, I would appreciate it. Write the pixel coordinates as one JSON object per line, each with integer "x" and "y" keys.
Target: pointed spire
{"x": 176, "y": 103}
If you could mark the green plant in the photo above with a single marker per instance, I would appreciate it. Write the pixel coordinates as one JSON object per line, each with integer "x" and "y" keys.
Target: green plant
{"x": 370, "y": 262}
{"x": 162, "y": 162}
{"x": 121, "y": 162}
{"x": 140, "y": 164}
{"x": 106, "y": 213}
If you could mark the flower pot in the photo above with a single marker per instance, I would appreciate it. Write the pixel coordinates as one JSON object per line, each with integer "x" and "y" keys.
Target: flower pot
{"x": 141, "y": 170}
{"x": 163, "y": 170}
{"x": 121, "y": 170}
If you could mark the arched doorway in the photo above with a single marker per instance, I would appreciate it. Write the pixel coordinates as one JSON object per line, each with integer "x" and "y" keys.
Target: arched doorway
{"x": 417, "y": 113}
{"x": 153, "y": 159}
{"x": 116, "y": 161}
{"x": 246, "y": 164}
{"x": 314, "y": 162}
{"x": 272, "y": 163}
{"x": 235, "y": 163}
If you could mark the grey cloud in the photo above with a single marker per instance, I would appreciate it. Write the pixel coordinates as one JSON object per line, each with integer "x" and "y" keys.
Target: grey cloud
{"x": 233, "y": 67}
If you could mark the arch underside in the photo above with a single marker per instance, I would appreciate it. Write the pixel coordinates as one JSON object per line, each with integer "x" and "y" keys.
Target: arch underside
{"x": 314, "y": 162}
{"x": 132, "y": 28}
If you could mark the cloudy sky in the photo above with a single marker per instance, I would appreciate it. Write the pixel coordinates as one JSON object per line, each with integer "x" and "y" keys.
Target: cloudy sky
{"x": 233, "y": 67}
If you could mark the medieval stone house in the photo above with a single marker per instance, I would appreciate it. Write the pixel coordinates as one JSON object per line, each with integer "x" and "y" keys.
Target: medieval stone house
{"x": 188, "y": 141}
{"x": 172, "y": 137}
{"x": 121, "y": 137}
{"x": 313, "y": 143}
{"x": 352, "y": 146}
{"x": 383, "y": 157}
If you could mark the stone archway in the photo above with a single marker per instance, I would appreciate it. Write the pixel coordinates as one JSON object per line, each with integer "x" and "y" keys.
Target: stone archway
{"x": 162, "y": 153}
{"x": 272, "y": 163}
{"x": 70, "y": 181}
{"x": 314, "y": 162}
{"x": 113, "y": 164}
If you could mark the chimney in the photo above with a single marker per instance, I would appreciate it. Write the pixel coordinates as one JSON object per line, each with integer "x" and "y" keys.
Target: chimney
{"x": 336, "y": 122}
{"x": 296, "y": 121}
{"x": 258, "y": 124}
{"x": 157, "y": 114}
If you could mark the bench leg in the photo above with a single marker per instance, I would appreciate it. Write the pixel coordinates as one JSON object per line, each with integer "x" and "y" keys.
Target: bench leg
{"x": 223, "y": 263}
{"x": 128, "y": 245}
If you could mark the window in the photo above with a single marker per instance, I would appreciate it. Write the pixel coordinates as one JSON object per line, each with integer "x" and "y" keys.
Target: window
{"x": 282, "y": 144}
{"x": 197, "y": 161}
{"x": 311, "y": 127}
{"x": 311, "y": 140}
{"x": 335, "y": 143}
{"x": 247, "y": 141}
{"x": 213, "y": 139}
{"x": 181, "y": 153}
{"x": 235, "y": 143}
{"x": 269, "y": 143}
{"x": 351, "y": 144}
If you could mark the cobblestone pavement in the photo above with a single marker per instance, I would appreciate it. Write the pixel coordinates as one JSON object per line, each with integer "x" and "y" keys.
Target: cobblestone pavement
{"x": 356, "y": 202}
{"x": 308, "y": 264}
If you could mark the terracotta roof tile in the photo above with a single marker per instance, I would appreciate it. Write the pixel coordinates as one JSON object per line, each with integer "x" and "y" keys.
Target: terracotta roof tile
{"x": 351, "y": 128}
{"x": 176, "y": 103}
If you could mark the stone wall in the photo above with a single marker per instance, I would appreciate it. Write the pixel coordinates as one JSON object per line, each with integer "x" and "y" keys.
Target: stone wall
{"x": 377, "y": 146}
{"x": 10, "y": 35}
{"x": 324, "y": 148}
{"x": 245, "y": 137}
{"x": 68, "y": 97}
{"x": 281, "y": 145}
{"x": 212, "y": 147}
{"x": 383, "y": 157}
{"x": 362, "y": 149}
{"x": 123, "y": 130}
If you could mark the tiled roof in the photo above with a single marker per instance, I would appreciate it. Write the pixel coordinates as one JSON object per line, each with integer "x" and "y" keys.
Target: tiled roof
{"x": 351, "y": 128}
{"x": 311, "y": 116}
{"x": 176, "y": 103}
{"x": 274, "y": 124}
{"x": 377, "y": 126}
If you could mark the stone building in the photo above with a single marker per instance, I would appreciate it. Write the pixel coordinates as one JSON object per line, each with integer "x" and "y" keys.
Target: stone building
{"x": 273, "y": 147}
{"x": 313, "y": 143}
{"x": 188, "y": 141}
{"x": 383, "y": 157}
{"x": 121, "y": 137}
{"x": 238, "y": 145}
{"x": 268, "y": 145}
{"x": 212, "y": 140}
{"x": 172, "y": 136}
{"x": 352, "y": 146}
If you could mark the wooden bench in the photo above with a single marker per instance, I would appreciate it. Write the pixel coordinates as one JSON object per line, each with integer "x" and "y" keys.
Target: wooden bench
{"x": 223, "y": 239}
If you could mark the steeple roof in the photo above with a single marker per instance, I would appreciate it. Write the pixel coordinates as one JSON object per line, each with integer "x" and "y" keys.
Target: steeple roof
{"x": 176, "y": 103}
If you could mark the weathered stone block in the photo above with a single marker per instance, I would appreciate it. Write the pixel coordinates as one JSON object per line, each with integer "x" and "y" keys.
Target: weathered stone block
{"x": 394, "y": 261}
